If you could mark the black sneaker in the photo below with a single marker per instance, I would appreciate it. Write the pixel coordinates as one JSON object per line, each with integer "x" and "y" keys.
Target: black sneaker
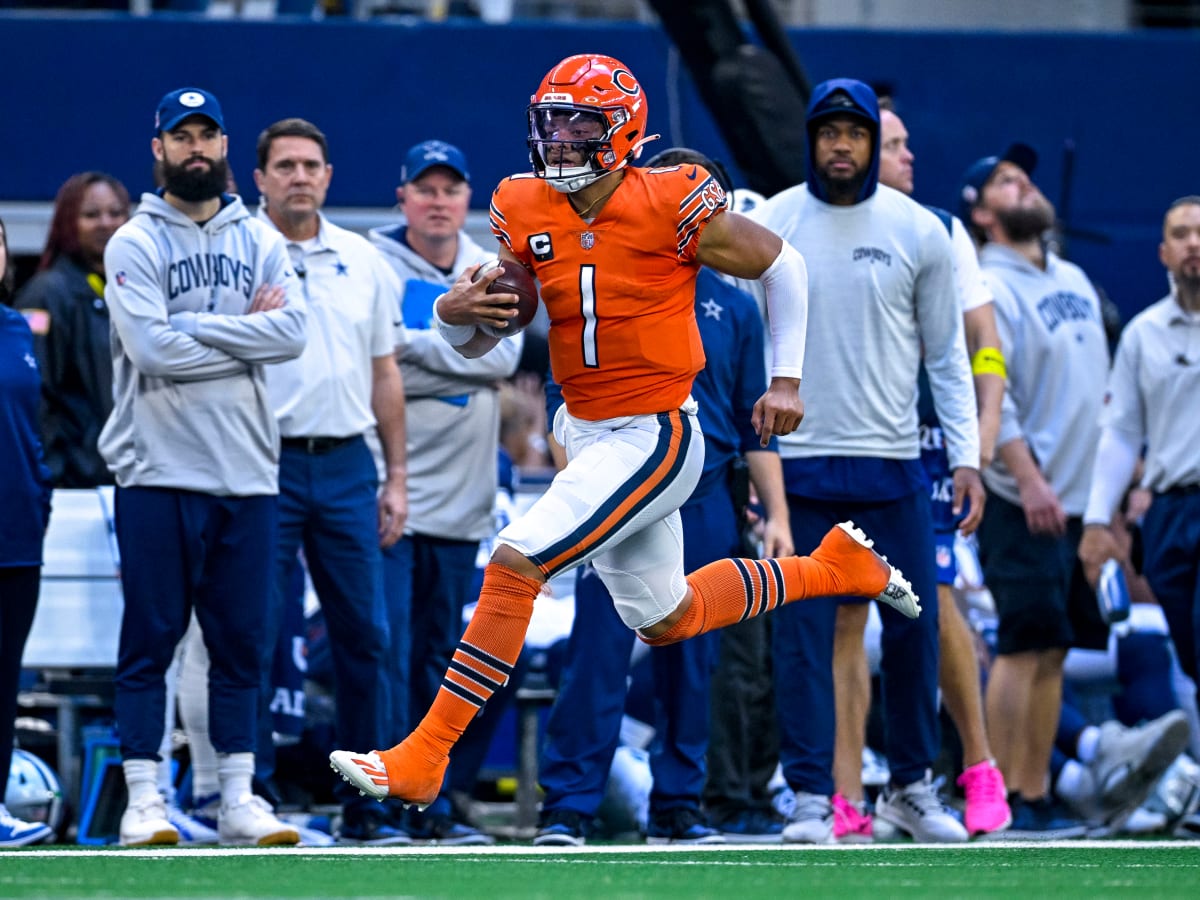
{"x": 681, "y": 825}
{"x": 371, "y": 829}
{"x": 1039, "y": 820}
{"x": 561, "y": 828}
{"x": 444, "y": 831}
{"x": 752, "y": 826}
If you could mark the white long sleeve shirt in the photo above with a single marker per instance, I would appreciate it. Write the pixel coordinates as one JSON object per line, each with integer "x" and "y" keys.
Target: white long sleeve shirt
{"x": 881, "y": 286}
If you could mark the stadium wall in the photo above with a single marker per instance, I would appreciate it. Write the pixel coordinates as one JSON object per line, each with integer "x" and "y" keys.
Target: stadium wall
{"x": 80, "y": 93}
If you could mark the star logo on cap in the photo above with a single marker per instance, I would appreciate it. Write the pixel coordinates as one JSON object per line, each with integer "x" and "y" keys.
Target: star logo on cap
{"x": 191, "y": 99}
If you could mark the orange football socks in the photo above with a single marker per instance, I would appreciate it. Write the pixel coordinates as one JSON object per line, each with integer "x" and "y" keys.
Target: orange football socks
{"x": 481, "y": 665}
{"x": 732, "y": 590}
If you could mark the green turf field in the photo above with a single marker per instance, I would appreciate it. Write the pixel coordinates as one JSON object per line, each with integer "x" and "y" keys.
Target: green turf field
{"x": 1147, "y": 871}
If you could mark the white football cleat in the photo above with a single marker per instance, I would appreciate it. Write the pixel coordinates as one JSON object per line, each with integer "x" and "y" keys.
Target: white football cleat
{"x": 364, "y": 771}
{"x": 899, "y": 593}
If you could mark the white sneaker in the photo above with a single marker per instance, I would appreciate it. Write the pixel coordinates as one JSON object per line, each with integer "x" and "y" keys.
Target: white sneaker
{"x": 918, "y": 810}
{"x": 192, "y": 832}
{"x": 811, "y": 820}
{"x": 144, "y": 824}
{"x": 16, "y": 832}
{"x": 249, "y": 821}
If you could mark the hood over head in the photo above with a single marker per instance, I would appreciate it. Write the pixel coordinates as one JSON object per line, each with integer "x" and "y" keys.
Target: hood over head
{"x": 843, "y": 97}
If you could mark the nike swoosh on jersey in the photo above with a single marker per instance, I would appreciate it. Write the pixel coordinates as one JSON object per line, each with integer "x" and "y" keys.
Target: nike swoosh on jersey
{"x": 692, "y": 174}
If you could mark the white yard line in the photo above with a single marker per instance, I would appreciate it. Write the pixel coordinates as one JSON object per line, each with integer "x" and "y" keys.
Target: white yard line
{"x": 593, "y": 850}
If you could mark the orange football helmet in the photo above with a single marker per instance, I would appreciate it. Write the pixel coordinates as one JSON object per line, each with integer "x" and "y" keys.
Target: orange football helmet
{"x": 587, "y": 119}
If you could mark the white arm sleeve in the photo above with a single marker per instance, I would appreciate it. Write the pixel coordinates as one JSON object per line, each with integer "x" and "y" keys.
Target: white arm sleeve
{"x": 455, "y": 335}
{"x": 1116, "y": 458}
{"x": 785, "y": 283}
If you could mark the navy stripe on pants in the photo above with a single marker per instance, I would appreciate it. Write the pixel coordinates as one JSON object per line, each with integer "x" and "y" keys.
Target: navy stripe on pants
{"x": 179, "y": 550}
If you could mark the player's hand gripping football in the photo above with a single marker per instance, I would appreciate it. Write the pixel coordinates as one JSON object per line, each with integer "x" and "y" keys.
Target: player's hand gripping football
{"x": 779, "y": 410}
{"x": 468, "y": 302}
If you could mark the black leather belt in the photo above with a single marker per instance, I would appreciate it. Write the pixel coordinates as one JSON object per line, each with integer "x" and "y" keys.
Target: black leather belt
{"x": 316, "y": 446}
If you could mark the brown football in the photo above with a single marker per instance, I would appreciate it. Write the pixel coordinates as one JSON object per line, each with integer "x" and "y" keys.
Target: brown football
{"x": 515, "y": 280}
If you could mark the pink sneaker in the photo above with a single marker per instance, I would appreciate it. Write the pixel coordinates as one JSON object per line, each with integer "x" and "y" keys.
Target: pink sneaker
{"x": 987, "y": 799}
{"x": 851, "y": 825}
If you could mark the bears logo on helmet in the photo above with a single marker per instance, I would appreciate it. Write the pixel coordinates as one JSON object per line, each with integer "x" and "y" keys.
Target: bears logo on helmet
{"x": 586, "y": 120}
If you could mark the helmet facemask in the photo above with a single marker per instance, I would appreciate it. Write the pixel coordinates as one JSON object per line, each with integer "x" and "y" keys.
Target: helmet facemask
{"x": 572, "y": 146}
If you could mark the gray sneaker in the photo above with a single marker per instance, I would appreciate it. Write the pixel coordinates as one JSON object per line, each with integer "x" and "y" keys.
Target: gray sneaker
{"x": 1130, "y": 760}
{"x": 918, "y": 810}
{"x": 1176, "y": 797}
{"x": 810, "y": 821}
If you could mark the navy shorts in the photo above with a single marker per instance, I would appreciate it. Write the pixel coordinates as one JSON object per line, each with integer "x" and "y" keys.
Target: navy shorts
{"x": 943, "y": 554}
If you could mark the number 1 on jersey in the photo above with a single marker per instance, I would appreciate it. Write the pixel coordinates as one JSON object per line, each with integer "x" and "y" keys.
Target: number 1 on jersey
{"x": 587, "y": 308}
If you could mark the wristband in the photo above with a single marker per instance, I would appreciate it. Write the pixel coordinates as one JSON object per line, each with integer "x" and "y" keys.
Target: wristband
{"x": 989, "y": 361}
{"x": 454, "y": 335}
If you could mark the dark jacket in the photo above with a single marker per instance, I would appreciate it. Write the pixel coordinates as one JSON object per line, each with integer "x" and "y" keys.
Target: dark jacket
{"x": 75, "y": 355}
{"x": 25, "y": 486}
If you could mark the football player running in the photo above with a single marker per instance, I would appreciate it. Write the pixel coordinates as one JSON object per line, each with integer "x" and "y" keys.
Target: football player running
{"x": 616, "y": 250}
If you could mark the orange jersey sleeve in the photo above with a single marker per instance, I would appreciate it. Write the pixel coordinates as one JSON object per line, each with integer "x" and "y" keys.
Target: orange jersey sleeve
{"x": 620, "y": 291}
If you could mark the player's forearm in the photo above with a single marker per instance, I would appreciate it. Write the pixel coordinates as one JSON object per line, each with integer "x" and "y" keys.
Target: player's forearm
{"x": 1019, "y": 461}
{"x": 785, "y": 284}
{"x": 1112, "y": 472}
{"x": 989, "y": 394}
{"x": 259, "y": 338}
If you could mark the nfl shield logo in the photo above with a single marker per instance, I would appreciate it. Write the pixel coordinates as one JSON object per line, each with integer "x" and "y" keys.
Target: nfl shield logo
{"x": 587, "y": 240}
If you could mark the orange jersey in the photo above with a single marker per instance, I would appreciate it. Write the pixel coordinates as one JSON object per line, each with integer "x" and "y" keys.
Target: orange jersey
{"x": 620, "y": 291}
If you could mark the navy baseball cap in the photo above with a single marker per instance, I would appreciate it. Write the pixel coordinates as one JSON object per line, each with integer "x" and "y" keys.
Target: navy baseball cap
{"x": 844, "y": 97}
{"x": 970, "y": 186}
{"x": 183, "y": 102}
{"x": 428, "y": 154}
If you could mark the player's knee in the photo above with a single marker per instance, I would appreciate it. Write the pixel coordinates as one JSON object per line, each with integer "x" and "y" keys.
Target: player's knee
{"x": 511, "y": 558}
{"x": 658, "y": 636}
{"x": 678, "y": 625}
